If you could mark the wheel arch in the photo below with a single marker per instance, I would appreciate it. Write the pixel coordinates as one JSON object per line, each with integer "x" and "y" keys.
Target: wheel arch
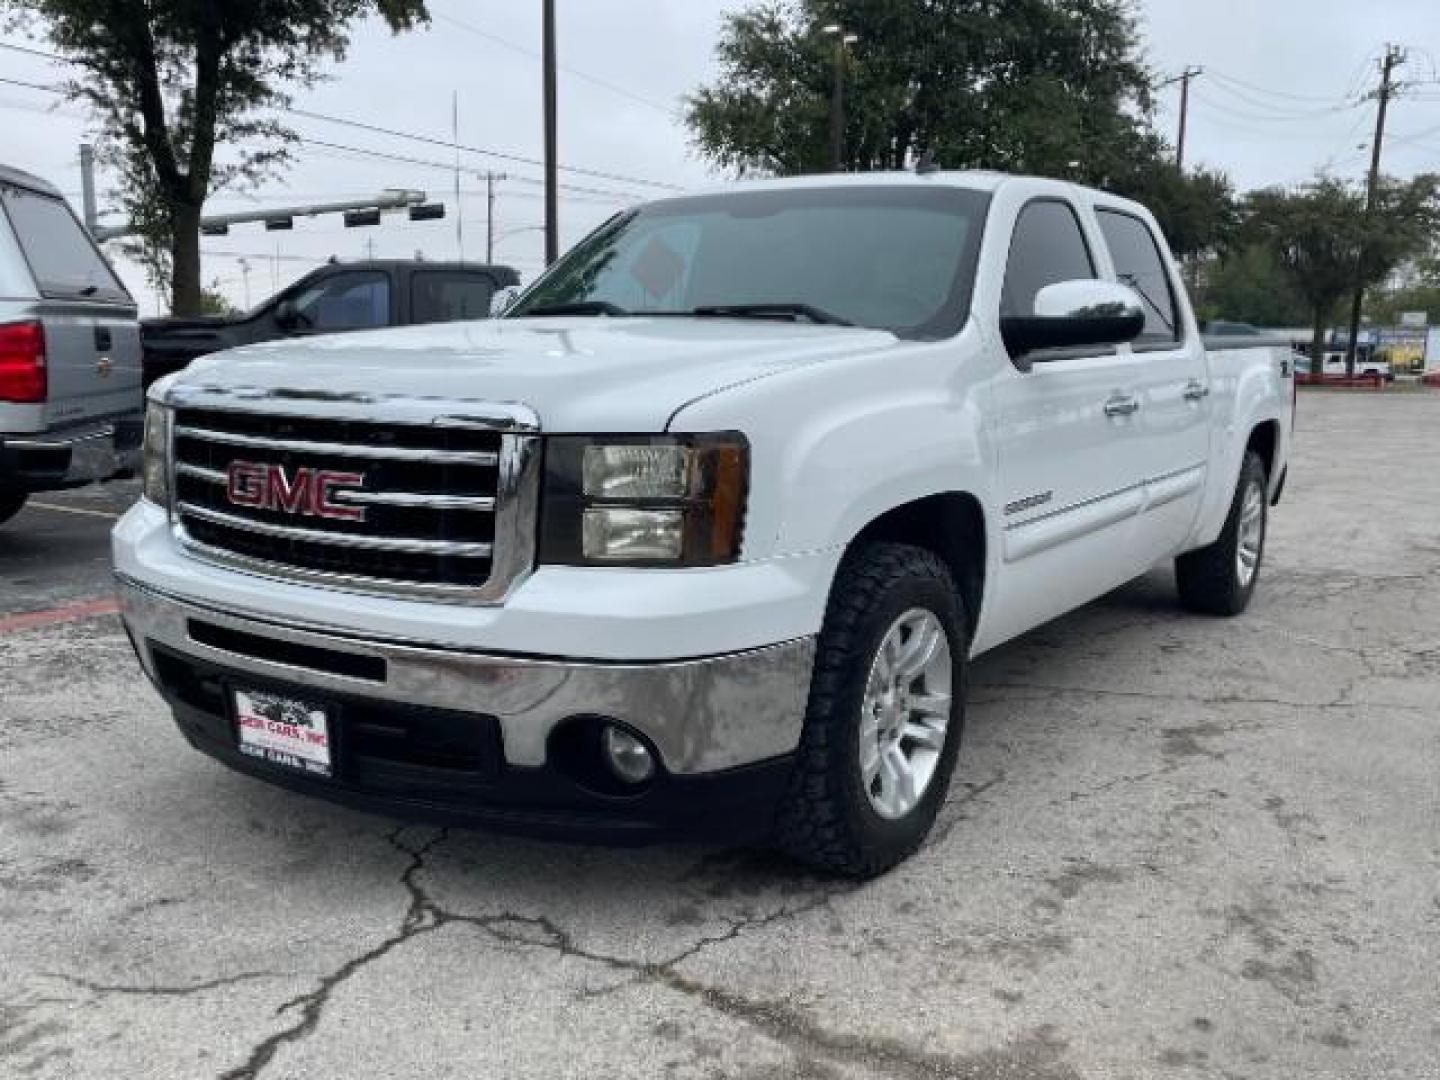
{"x": 1265, "y": 440}
{"x": 952, "y": 525}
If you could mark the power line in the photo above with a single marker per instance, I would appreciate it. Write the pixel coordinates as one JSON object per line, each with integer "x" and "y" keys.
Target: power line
{"x": 535, "y": 55}
{"x": 1222, "y": 77}
{"x": 501, "y": 155}
{"x": 449, "y": 144}
{"x": 406, "y": 159}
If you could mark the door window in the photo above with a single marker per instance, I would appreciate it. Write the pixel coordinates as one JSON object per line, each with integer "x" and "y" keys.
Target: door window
{"x": 1048, "y": 246}
{"x": 445, "y": 296}
{"x": 359, "y": 301}
{"x": 1138, "y": 264}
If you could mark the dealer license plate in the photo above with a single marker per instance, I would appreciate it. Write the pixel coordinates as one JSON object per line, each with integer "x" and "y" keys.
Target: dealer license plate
{"x": 284, "y": 731}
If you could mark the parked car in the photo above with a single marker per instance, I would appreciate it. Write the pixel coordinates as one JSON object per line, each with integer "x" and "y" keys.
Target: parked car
{"x": 702, "y": 535}
{"x": 1365, "y": 365}
{"x": 70, "y": 398}
{"x": 337, "y": 297}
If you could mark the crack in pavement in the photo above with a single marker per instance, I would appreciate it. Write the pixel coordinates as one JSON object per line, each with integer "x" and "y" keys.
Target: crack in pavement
{"x": 161, "y": 991}
{"x": 780, "y": 1021}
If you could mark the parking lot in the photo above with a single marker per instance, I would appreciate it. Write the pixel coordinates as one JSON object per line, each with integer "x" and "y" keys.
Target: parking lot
{"x": 1175, "y": 846}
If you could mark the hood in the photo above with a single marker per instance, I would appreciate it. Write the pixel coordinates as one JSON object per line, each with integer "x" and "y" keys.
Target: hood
{"x": 578, "y": 374}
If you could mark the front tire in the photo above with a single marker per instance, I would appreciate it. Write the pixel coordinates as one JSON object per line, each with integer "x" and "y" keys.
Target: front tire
{"x": 884, "y": 721}
{"x": 11, "y": 503}
{"x": 1220, "y": 579}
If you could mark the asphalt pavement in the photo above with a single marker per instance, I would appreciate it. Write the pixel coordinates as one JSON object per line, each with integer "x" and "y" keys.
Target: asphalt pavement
{"x": 1175, "y": 846}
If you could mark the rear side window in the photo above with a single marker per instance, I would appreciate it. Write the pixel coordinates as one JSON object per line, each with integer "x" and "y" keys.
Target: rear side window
{"x": 445, "y": 296}
{"x": 358, "y": 301}
{"x": 1048, "y": 246}
{"x": 1138, "y": 264}
{"x": 64, "y": 262}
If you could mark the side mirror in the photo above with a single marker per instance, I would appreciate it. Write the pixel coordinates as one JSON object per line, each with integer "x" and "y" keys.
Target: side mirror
{"x": 1073, "y": 313}
{"x": 502, "y": 299}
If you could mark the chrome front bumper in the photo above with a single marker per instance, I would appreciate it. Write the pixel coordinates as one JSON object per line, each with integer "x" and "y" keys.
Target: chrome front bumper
{"x": 702, "y": 715}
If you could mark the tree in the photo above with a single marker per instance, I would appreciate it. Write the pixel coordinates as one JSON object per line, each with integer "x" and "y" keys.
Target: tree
{"x": 1326, "y": 243}
{"x": 1248, "y": 285}
{"x": 1052, "y": 87}
{"x": 180, "y": 89}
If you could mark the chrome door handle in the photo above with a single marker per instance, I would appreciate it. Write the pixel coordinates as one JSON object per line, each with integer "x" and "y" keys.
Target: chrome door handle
{"x": 1122, "y": 405}
{"x": 1196, "y": 391}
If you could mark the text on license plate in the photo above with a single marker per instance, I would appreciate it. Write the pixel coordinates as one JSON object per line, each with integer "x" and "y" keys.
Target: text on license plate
{"x": 283, "y": 731}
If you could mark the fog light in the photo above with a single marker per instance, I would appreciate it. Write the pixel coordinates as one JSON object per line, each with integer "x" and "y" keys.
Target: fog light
{"x": 629, "y": 758}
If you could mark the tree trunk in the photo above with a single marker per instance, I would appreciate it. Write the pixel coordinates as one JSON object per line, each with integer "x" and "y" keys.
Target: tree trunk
{"x": 1317, "y": 350}
{"x": 185, "y": 260}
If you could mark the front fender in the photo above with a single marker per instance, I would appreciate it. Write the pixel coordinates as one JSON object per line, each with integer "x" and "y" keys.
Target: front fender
{"x": 837, "y": 445}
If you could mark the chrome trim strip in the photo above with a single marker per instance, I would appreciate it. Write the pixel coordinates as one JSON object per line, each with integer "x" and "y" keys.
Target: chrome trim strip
{"x": 504, "y": 416}
{"x": 703, "y": 715}
{"x": 1052, "y": 530}
{"x": 477, "y": 503}
{"x": 1164, "y": 490}
{"x": 359, "y": 541}
{"x": 1055, "y": 527}
{"x": 325, "y": 449}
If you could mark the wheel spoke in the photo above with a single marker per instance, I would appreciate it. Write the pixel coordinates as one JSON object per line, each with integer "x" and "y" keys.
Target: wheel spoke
{"x": 869, "y": 763}
{"x": 924, "y": 736}
{"x": 932, "y": 704}
{"x": 918, "y": 653}
{"x": 895, "y": 767}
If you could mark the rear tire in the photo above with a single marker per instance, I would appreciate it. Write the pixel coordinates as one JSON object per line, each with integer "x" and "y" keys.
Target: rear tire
{"x": 1220, "y": 579}
{"x": 884, "y": 721}
{"x": 11, "y": 503}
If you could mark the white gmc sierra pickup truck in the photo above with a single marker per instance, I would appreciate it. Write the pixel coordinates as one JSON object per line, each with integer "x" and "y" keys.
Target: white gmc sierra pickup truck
{"x": 701, "y": 535}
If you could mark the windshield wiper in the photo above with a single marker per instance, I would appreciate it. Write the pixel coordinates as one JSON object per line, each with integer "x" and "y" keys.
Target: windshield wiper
{"x": 771, "y": 311}
{"x": 577, "y": 307}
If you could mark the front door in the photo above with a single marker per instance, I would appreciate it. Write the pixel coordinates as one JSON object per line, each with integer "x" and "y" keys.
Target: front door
{"x": 1068, "y": 479}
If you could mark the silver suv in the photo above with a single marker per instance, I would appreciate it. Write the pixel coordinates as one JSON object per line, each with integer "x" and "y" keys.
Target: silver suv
{"x": 70, "y": 400}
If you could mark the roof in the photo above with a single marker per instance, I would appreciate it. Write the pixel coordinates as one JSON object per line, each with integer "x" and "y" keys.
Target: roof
{"x": 20, "y": 178}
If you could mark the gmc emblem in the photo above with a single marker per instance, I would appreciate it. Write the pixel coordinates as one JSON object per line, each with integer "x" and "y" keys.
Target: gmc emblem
{"x": 308, "y": 492}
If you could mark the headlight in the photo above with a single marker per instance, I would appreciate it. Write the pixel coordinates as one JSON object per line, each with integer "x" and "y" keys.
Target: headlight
{"x": 661, "y": 500}
{"x": 156, "y": 486}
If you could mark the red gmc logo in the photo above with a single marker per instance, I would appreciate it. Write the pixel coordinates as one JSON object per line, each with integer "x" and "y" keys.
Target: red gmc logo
{"x": 307, "y": 492}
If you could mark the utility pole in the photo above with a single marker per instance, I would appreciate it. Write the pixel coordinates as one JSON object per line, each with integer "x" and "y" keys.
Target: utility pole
{"x": 455, "y": 134}
{"x": 1394, "y": 57}
{"x": 837, "y": 95}
{"x": 1185, "y": 77}
{"x": 87, "y": 188}
{"x": 552, "y": 180}
{"x": 490, "y": 179}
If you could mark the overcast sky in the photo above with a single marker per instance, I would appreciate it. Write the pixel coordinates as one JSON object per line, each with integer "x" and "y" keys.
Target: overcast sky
{"x": 1282, "y": 95}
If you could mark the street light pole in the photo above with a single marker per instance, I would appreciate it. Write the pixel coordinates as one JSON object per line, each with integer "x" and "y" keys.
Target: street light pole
{"x": 552, "y": 206}
{"x": 837, "y": 95}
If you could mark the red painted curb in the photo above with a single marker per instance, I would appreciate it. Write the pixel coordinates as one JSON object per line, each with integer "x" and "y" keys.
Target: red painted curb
{"x": 31, "y": 620}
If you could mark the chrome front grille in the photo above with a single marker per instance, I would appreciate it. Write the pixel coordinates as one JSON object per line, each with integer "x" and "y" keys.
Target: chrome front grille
{"x": 433, "y": 505}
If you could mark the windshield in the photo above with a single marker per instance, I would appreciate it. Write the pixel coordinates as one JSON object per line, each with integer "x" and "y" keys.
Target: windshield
{"x": 888, "y": 257}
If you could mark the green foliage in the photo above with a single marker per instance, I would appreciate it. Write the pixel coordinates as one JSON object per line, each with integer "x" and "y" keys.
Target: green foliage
{"x": 1248, "y": 285}
{"x": 213, "y": 301}
{"x": 179, "y": 90}
{"x": 1325, "y": 242}
{"x": 1051, "y": 87}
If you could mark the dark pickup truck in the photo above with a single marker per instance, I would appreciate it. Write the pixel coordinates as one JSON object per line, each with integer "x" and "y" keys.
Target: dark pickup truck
{"x": 337, "y": 297}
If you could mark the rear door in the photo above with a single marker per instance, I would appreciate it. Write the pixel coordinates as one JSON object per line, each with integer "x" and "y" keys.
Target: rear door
{"x": 1171, "y": 435}
{"x": 92, "y": 335}
{"x": 440, "y": 295}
